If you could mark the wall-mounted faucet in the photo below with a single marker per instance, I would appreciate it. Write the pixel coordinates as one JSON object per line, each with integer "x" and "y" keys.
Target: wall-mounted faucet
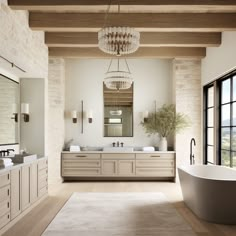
{"x": 192, "y": 161}
{"x": 4, "y": 153}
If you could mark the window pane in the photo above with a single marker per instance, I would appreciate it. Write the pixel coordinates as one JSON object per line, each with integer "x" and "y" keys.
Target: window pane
{"x": 234, "y": 114}
{"x": 233, "y": 139}
{"x": 210, "y": 154}
{"x": 225, "y": 115}
{"x": 234, "y": 86}
{"x": 225, "y": 91}
{"x": 210, "y": 117}
{"x": 234, "y": 159}
{"x": 210, "y": 99}
{"x": 225, "y": 138}
{"x": 210, "y": 136}
{"x": 225, "y": 158}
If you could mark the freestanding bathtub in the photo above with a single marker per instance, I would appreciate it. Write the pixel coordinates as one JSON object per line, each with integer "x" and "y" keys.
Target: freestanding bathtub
{"x": 210, "y": 192}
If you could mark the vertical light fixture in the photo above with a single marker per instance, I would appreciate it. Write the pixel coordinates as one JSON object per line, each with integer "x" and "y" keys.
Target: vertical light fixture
{"x": 74, "y": 116}
{"x": 90, "y": 116}
{"x": 145, "y": 116}
{"x": 25, "y": 111}
{"x": 15, "y": 112}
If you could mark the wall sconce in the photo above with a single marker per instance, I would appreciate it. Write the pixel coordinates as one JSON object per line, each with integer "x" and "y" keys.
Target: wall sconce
{"x": 15, "y": 112}
{"x": 145, "y": 116}
{"x": 74, "y": 116}
{"x": 25, "y": 111}
{"x": 90, "y": 116}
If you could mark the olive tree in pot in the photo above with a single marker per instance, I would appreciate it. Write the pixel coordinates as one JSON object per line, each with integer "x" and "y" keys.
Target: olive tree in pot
{"x": 165, "y": 121}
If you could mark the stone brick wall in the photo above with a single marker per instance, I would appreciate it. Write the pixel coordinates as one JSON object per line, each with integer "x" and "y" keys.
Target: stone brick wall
{"x": 56, "y": 100}
{"x": 21, "y": 45}
{"x": 187, "y": 84}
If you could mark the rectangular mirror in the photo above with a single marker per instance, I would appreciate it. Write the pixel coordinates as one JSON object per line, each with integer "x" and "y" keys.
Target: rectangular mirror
{"x": 9, "y": 107}
{"x": 118, "y": 112}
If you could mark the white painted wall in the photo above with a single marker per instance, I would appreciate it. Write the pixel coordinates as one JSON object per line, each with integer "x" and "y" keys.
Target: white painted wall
{"x": 84, "y": 80}
{"x": 32, "y": 135}
{"x": 220, "y": 60}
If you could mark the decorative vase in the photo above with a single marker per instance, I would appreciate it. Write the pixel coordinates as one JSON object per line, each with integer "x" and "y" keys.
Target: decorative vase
{"x": 163, "y": 144}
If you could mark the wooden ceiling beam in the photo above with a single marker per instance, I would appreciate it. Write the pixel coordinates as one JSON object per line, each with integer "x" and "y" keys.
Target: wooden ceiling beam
{"x": 153, "y": 39}
{"x": 126, "y": 5}
{"x": 157, "y": 52}
{"x": 84, "y": 22}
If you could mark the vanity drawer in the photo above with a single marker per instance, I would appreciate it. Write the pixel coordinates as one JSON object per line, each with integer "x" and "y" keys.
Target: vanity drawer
{"x": 42, "y": 182}
{"x": 42, "y": 173}
{"x": 4, "y": 193}
{"x": 70, "y": 172}
{"x": 4, "y": 220}
{"x": 81, "y": 163}
{"x": 5, "y": 179}
{"x": 42, "y": 164}
{"x": 4, "y": 207}
{"x": 168, "y": 156}
{"x": 118, "y": 156}
{"x": 155, "y": 172}
{"x": 43, "y": 191}
{"x": 155, "y": 163}
{"x": 80, "y": 156}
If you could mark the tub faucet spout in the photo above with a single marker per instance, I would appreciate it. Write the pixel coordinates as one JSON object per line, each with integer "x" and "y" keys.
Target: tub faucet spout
{"x": 192, "y": 161}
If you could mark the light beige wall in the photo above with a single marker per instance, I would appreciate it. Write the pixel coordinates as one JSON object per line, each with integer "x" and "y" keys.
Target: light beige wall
{"x": 56, "y": 99}
{"x": 187, "y": 83}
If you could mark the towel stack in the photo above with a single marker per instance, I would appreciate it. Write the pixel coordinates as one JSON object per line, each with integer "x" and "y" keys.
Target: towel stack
{"x": 148, "y": 149}
{"x": 5, "y": 162}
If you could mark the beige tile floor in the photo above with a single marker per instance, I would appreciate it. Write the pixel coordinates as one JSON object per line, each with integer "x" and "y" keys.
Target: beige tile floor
{"x": 35, "y": 222}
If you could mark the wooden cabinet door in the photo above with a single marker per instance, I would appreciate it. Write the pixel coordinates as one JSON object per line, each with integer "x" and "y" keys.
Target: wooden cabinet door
{"x": 15, "y": 192}
{"x": 126, "y": 168}
{"x": 33, "y": 182}
{"x": 109, "y": 167}
{"x": 25, "y": 187}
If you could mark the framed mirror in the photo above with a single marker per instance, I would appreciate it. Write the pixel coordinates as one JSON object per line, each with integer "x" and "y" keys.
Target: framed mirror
{"x": 118, "y": 112}
{"x": 9, "y": 117}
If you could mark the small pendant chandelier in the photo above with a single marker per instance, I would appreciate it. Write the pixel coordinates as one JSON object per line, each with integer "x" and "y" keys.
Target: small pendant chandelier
{"x": 118, "y": 79}
{"x": 117, "y": 40}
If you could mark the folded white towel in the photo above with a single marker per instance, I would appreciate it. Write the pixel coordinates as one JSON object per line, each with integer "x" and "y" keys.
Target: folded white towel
{"x": 74, "y": 148}
{"x": 6, "y": 165}
{"x": 148, "y": 149}
{"x": 5, "y": 160}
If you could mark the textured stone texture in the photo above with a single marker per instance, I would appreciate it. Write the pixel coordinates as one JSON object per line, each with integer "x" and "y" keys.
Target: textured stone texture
{"x": 187, "y": 83}
{"x": 56, "y": 98}
{"x": 20, "y": 45}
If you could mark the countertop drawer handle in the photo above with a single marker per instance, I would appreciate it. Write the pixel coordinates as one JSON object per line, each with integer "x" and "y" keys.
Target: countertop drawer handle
{"x": 155, "y": 156}
{"x": 80, "y": 156}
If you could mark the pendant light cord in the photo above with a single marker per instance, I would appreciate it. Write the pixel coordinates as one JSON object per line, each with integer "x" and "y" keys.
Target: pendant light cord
{"x": 106, "y": 14}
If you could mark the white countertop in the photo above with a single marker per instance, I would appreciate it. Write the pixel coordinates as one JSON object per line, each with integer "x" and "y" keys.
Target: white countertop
{"x": 17, "y": 165}
{"x": 102, "y": 152}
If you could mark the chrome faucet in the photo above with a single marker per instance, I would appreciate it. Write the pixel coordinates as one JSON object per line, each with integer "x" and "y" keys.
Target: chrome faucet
{"x": 118, "y": 144}
{"x": 192, "y": 161}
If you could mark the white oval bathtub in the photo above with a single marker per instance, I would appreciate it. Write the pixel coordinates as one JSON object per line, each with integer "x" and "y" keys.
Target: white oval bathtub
{"x": 210, "y": 192}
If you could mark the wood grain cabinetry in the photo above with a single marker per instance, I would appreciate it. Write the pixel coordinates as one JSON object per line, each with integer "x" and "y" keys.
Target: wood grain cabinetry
{"x": 20, "y": 188}
{"x": 134, "y": 165}
{"x": 15, "y": 192}
{"x": 4, "y": 198}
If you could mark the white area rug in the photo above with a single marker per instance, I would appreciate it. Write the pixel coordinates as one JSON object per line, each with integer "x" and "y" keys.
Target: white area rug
{"x": 118, "y": 214}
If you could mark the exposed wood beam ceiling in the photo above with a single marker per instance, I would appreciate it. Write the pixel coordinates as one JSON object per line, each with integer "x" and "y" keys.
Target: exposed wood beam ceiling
{"x": 169, "y": 28}
{"x": 148, "y": 39}
{"x": 157, "y": 6}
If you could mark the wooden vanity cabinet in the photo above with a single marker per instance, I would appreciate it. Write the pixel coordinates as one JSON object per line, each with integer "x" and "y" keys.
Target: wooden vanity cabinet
{"x": 4, "y": 198}
{"x": 140, "y": 165}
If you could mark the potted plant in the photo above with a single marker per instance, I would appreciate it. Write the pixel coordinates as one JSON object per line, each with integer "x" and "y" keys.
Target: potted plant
{"x": 165, "y": 121}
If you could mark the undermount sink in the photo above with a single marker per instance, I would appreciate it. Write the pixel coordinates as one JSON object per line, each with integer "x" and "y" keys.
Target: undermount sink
{"x": 118, "y": 149}
{"x": 22, "y": 158}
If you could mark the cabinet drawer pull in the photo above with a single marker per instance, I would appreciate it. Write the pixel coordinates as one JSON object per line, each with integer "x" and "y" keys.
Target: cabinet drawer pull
{"x": 8, "y": 205}
{"x": 8, "y": 176}
{"x": 81, "y": 156}
{"x": 8, "y": 216}
{"x": 155, "y": 156}
{"x": 8, "y": 192}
